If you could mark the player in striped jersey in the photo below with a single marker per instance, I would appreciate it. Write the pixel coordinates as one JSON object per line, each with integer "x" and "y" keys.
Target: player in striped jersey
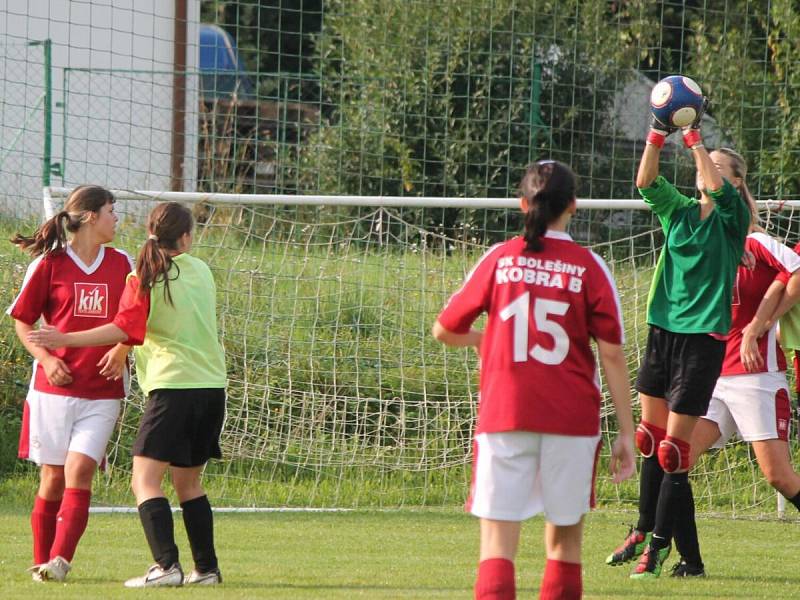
{"x": 538, "y": 432}
{"x": 71, "y": 406}
{"x": 168, "y": 311}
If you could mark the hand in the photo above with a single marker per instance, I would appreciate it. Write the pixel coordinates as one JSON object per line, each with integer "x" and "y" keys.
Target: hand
{"x": 748, "y": 260}
{"x": 698, "y": 117}
{"x": 622, "y": 463}
{"x": 56, "y": 371}
{"x": 752, "y": 361}
{"x": 114, "y": 363}
{"x": 691, "y": 134}
{"x": 48, "y": 337}
{"x": 660, "y": 127}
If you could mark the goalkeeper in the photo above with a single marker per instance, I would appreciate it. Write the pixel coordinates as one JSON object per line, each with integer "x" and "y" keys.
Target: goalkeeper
{"x": 689, "y": 314}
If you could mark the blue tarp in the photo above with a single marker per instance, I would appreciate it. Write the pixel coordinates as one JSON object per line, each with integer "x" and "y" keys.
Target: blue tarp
{"x": 221, "y": 70}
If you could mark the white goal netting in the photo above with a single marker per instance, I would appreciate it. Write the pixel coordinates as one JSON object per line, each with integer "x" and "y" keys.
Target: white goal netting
{"x": 338, "y": 394}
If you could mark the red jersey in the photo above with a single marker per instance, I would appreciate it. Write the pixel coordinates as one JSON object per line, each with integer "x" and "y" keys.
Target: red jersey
{"x": 773, "y": 261}
{"x": 538, "y": 371}
{"x": 72, "y": 296}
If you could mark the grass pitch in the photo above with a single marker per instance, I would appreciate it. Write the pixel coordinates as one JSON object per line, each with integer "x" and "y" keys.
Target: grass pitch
{"x": 395, "y": 554}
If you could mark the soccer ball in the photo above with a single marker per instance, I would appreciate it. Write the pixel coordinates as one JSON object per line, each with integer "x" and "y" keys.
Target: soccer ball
{"x": 676, "y": 100}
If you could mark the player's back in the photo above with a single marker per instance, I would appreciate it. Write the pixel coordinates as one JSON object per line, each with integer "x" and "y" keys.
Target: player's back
{"x": 538, "y": 372}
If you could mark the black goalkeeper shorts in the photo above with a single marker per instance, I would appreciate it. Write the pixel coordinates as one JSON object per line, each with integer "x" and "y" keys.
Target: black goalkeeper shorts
{"x": 683, "y": 368}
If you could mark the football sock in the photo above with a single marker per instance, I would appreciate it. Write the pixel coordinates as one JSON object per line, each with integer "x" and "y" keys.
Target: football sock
{"x": 685, "y": 528}
{"x": 43, "y": 526}
{"x": 199, "y": 522}
{"x": 649, "y": 487}
{"x": 71, "y": 523}
{"x": 561, "y": 581}
{"x": 156, "y": 517}
{"x": 495, "y": 580}
{"x": 672, "y": 498}
{"x": 795, "y": 500}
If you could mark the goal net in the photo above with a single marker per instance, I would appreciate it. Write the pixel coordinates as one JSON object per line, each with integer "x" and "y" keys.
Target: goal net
{"x": 409, "y": 112}
{"x": 338, "y": 395}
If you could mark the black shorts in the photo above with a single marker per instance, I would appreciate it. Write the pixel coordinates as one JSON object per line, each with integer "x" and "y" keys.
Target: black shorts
{"x": 681, "y": 367}
{"x": 181, "y": 427}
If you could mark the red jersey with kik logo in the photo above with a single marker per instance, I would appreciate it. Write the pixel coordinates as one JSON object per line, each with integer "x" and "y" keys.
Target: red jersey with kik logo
{"x": 538, "y": 371}
{"x": 72, "y": 296}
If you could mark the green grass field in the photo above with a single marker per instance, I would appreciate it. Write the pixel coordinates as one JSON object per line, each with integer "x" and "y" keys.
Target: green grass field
{"x": 395, "y": 554}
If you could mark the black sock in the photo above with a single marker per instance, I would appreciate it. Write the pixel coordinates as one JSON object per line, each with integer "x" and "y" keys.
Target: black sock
{"x": 795, "y": 500}
{"x": 685, "y": 528}
{"x": 674, "y": 489}
{"x": 199, "y": 522}
{"x": 649, "y": 487}
{"x": 156, "y": 517}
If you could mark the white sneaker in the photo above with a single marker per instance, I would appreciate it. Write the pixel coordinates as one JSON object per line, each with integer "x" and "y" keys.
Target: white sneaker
{"x": 196, "y": 578}
{"x": 55, "y": 569}
{"x": 158, "y": 577}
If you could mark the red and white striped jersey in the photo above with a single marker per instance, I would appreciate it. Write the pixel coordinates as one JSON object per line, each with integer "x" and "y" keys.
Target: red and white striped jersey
{"x": 72, "y": 296}
{"x": 538, "y": 371}
{"x": 773, "y": 261}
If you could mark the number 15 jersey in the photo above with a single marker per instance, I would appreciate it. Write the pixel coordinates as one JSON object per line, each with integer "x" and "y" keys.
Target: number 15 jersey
{"x": 538, "y": 372}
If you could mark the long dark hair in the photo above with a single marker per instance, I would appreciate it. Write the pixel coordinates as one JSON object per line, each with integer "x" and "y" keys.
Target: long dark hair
{"x": 166, "y": 224}
{"x": 52, "y": 235}
{"x": 549, "y": 187}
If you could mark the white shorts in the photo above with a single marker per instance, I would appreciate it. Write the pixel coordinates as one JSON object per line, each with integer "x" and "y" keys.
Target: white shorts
{"x": 755, "y": 406}
{"x": 518, "y": 474}
{"x": 54, "y": 425}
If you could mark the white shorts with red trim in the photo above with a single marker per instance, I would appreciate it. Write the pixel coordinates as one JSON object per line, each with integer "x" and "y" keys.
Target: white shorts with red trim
{"x": 54, "y": 425}
{"x": 755, "y": 406}
{"x": 519, "y": 474}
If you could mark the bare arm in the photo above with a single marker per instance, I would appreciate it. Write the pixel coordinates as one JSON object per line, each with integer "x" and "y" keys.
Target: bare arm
{"x": 648, "y": 167}
{"x": 760, "y": 323}
{"x": 788, "y": 300}
{"x": 50, "y": 337}
{"x": 55, "y": 369}
{"x": 615, "y": 367}
{"x": 706, "y": 167}
{"x": 473, "y": 338}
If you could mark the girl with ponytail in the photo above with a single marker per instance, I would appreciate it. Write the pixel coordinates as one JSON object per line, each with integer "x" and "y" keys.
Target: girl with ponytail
{"x": 74, "y": 283}
{"x": 168, "y": 311}
{"x": 539, "y": 415}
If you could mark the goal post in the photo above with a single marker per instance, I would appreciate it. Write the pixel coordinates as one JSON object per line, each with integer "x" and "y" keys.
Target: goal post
{"x": 338, "y": 395}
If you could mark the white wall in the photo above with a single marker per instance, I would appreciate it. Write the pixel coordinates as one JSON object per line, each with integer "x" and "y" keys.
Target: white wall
{"x": 109, "y": 128}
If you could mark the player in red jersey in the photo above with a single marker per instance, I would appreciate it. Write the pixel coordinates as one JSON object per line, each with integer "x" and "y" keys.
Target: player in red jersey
{"x": 71, "y": 406}
{"x": 538, "y": 433}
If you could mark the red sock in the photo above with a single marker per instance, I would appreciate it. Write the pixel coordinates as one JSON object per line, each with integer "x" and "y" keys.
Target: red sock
{"x": 43, "y": 526}
{"x": 495, "y": 580}
{"x": 72, "y": 520}
{"x": 561, "y": 581}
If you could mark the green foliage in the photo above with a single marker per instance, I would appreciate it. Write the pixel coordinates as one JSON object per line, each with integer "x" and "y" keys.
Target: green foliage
{"x": 745, "y": 58}
{"x": 454, "y": 98}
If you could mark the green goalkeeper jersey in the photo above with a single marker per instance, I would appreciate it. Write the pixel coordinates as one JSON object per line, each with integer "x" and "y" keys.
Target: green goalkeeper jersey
{"x": 692, "y": 288}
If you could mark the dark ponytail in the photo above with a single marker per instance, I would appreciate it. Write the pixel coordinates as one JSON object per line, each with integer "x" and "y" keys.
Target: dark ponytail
{"x": 549, "y": 187}
{"x": 167, "y": 223}
{"x": 52, "y": 235}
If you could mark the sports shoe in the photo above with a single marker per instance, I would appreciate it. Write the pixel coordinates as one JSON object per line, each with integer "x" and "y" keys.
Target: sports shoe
{"x": 633, "y": 546}
{"x": 684, "y": 569}
{"x": 158, "y": 577}
{"x": 650, "y": 564}
{"x": 35, "y": 574}
{"x": 55, "y": 569}
{"x": 212, "y": 577}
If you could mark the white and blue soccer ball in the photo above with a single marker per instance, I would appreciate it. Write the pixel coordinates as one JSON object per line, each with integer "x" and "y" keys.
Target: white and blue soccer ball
{"x": 676, "y": 100}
